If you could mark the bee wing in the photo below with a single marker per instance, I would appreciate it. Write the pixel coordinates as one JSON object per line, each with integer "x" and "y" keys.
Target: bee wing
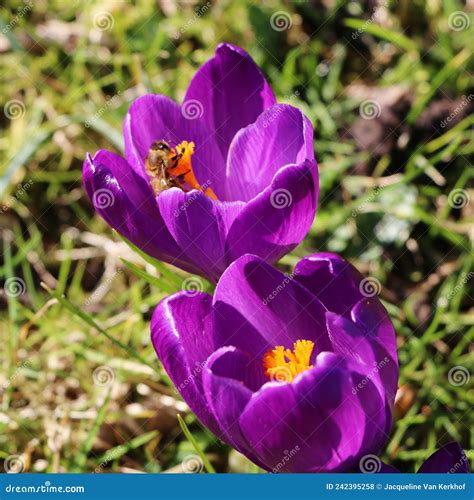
{"x": 156, "y": 170}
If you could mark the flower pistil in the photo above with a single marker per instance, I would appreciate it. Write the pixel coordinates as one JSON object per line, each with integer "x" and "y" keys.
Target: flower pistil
{"x": 182, "y": 168}
{"x": 282, "y": 365}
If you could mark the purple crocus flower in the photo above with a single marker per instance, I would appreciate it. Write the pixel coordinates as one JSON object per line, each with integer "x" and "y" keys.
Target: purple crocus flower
{"x": 249, "y": 180}
{"x": 449, "y": 459}
{"x": 297, "y": 372}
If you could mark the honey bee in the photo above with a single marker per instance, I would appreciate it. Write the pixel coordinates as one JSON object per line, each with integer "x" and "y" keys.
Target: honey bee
{"x": 161, "y": 158}
{"x": 169, "y": 167}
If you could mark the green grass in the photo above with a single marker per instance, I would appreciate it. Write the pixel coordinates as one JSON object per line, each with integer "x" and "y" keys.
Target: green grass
{"x": 386, "y": 210}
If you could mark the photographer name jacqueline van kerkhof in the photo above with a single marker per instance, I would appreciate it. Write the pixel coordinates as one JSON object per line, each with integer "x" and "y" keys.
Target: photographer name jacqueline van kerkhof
{"x": 426, "y": 486}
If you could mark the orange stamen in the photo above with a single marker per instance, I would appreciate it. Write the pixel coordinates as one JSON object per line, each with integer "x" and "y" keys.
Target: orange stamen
{"x": 184, "y": 168}
{"x": 283, "y": 365}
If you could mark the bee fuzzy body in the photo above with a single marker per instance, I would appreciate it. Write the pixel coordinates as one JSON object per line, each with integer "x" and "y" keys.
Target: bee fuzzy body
{"x": 171, "y": 167}
{"x": 161, "y": 158}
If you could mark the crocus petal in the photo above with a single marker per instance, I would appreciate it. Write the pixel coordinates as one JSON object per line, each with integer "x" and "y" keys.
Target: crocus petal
{"x": 139, "y": 222}
{"x": 230, "y": 91}
{"x": 227, "y": 392}
{"x": 272, "y": 304}
{"x": 332, "y": 279}
{"x": 352, "y": 342}
{"x": 371, "y": 317}
{"x": 137, "y": 189}
{"x": 282, "y": 135}
{"x": 275, "y": 222}
{"x": 196, "y": 224}
{"x": 448, "y": 459}
{"x": 359, "y": 326}
{"x": 317, "y": 417}
{"x": 181, "y": 336}
{"x": 155, "y": 117}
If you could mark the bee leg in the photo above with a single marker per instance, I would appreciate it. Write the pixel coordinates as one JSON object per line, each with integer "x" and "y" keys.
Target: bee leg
{"x": 179, "y": 180}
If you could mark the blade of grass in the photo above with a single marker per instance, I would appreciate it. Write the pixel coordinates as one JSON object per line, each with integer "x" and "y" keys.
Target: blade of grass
{"x": 94, "y": 430}
{"x": 162, "y": 268}
{"x": 21, "y": 158}
{"x": 208, "y": 466}
{"x": 448, "y": 70}
{"x": 383, "y": 33}
{"x": 65, "y": 264}
{"x": 151, "y": 280}
{"x": 63, "y": 300}
{"x": 12, "y": 314}
{"x": 120, "y": 450}
{"x": 25, "y": 247}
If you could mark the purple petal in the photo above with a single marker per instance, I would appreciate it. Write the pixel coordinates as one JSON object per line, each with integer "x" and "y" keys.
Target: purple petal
{"x": 137, "y": 189}
{"x": 228, "y": 379}
{"x": 448, "y": 459}
{"x": 180, "y": 332}
{"x": 352, "y": 342}
{"x": 281, "y": 136}
{"x": 139, "y": 222}
{"x": 372, "y": 318}
{"x": 199, "y": 227}
{"x": 231, "y": 92}
{"x": 278, "y": 219}
{"x": 332, "y": 279}
{"x": 156, "y": 117}
{"x": 252, "y": 296}
{"x": 316, "y": 419}
{"x": 359, "y": 326}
